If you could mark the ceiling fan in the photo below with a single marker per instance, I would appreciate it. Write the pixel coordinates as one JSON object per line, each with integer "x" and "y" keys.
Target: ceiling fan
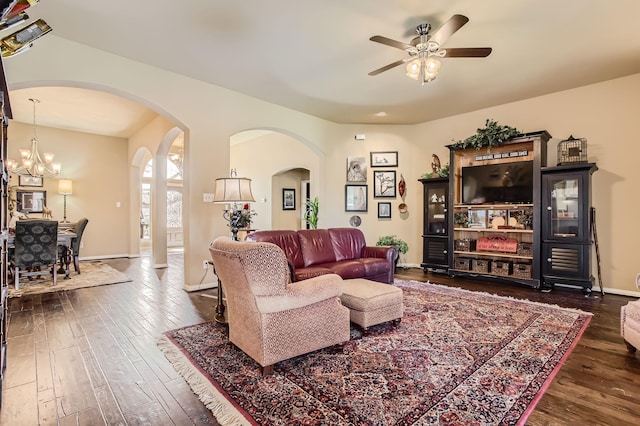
{"x": 424, "y": 50}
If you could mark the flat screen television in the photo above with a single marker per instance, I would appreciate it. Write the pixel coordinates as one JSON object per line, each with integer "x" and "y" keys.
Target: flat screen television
{"x": 504, "y": 183}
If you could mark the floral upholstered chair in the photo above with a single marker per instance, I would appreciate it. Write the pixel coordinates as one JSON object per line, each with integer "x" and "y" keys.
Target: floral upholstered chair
{"x": 630, "y": 322}
{"x": 35, "y": 247}
{"x": 270, "y": 318}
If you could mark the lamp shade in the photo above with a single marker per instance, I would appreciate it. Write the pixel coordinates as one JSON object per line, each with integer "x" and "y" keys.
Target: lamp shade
{"x": 65, "y": 187}
{"x": 233, "y": 189}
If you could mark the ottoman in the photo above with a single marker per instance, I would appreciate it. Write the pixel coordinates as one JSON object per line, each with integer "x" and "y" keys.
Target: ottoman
{"x": 371, "y": 302}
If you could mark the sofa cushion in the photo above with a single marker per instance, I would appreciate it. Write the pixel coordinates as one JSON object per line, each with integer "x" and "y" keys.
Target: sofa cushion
{"x": 286, "y": 240}
{"x": 375, "y": 265}
{"x": 316, "y": 246}
{"x": 347, "y": 269}
{"x": 310, "y": 272}
{"x": 347, "y": 243}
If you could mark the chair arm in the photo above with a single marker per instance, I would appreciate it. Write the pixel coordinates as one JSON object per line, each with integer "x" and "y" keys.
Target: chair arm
{"x": 384, "y": 252}
{"x": 302, "y": 293}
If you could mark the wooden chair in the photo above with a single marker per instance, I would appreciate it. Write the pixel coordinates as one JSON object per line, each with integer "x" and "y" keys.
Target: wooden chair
{"x": 77, "y": 229}
{"x": 35, "y": 246}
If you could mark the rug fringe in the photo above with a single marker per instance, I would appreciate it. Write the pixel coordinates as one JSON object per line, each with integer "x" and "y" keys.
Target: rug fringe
{"x": 541, "y": 304}
{"x": 223, "y": 410}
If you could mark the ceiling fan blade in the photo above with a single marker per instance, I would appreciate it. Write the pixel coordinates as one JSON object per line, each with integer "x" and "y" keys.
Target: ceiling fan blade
{"x": 390, "y": 42}
{"x": 467, "y": 52}
{"x": 388, "y": 67}
{"x": 448, "y": 28}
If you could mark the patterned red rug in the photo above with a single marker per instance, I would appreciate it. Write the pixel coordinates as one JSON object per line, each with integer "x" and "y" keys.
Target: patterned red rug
{"x": 458, "y": 357}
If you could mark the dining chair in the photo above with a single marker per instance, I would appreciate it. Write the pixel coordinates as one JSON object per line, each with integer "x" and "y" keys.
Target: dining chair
{"x": 35, "y": 247}
{"x": 78, "y": 229}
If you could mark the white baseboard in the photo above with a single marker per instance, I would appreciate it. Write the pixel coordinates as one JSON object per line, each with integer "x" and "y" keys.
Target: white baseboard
{"x": 200, "y": 286}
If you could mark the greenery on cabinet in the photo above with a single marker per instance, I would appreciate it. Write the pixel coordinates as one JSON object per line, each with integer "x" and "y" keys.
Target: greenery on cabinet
{"x": 525, "y": 218}
{"x": 393, "y": 240}
{"x": 461, "y": 219}
{"x": 311, "y": 212}
{"x": 442, "y": 173}
{"x": 491, "y": 135}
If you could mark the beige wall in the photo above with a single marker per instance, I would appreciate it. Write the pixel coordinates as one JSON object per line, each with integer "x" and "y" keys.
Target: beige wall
{"x": 287, "y": 219}
{"x": 98, "y": 167}
{"x": 269, "y": 158}
{"x": 604, "y": 113}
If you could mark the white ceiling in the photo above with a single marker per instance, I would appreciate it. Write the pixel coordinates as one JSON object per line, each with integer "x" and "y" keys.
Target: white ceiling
{"x": 314, "y": 56}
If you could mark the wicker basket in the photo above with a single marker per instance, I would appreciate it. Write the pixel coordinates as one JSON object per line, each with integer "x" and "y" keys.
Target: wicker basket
{"x": 462, "y": 263}
{"x": 525, "y": 249}
{"x": 522, "y": 270}
{"x": 465, "y": 244}
{"x": 481, "y": 265}
{"x": 501, "y": 268}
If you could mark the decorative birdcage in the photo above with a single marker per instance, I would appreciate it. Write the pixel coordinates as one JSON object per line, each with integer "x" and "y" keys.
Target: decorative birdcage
{"x": 572, "y": 151}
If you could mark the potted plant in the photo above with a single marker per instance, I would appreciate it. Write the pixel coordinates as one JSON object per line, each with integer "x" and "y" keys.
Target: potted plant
{"x": 395, "y": 241}
{"x": 311, "y": 212}
{"x": 461, "y": 219}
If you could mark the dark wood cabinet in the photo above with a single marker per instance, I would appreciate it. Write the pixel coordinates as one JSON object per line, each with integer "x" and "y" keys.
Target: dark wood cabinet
{"x": 566, "y": 225}
{"x": 435, "y": 232}
{"x": 494, "y": 210}
{"x": 5, "y": 115}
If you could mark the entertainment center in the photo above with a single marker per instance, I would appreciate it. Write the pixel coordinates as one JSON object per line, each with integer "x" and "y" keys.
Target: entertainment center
{"x": 503, "y": 215}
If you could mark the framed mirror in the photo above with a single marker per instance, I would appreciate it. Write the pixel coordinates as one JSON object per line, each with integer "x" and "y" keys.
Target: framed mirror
{"x": 31, "y": 201}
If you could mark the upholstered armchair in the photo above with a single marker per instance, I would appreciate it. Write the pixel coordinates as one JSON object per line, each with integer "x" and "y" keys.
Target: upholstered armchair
{"x": 630, "y": 322}
{"x": 270, "y": 318}
{"x": 35, "y": 247}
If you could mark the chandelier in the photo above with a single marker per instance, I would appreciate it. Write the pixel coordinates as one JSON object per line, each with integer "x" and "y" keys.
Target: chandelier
{"x": 425, "y": 65}
{"x": 31, "y": 163}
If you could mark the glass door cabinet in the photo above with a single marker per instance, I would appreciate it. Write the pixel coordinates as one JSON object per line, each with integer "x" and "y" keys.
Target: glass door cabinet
{"x": 566, "y": 225}
{"x": 435, "y": 226}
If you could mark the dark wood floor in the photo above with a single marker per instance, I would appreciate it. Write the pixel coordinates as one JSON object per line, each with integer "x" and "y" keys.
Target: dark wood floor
{"x": 89, "y": 356}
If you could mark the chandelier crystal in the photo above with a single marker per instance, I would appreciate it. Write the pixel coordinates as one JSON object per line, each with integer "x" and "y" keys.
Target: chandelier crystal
{"x": 31, "y": 162}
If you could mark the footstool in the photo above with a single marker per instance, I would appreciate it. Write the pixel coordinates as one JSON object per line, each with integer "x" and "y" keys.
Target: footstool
{"x": 371, "y": 302}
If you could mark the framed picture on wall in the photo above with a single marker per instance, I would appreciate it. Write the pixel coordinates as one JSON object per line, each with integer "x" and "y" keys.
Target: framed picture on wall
{"x": 384, "y": 184}
{"x": 384, "y": 210}
{"x": 384, "y": 159}
{"x": 30, "y": 201}
{"x": 30, "y": 181}
{"x": 288, "y": 199}
{"x": 355, "y": 198}
{"x": 356, "y": 169}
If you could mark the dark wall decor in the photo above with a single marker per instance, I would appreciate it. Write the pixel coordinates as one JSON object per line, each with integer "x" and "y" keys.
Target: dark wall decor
{"x": 288, "y": 199}
{"x": 384, "y": 184}
{"x": 355, "y": 198}
{"x": 384, "y": 159}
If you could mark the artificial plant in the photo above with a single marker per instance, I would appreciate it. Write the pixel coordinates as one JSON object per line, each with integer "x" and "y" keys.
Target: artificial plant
{"x": 491, "y": 135}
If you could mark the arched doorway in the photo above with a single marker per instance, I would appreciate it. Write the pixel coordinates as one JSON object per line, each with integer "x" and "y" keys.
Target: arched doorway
{"x": 296, "y": 162}
{"x": 174, "y": 184}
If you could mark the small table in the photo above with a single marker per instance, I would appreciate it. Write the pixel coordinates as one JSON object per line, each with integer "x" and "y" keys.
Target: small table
{"x": 64, "y": 240}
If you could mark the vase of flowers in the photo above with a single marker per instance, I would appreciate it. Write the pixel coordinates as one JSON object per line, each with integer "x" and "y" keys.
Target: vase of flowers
{"x": 240, "y": 218}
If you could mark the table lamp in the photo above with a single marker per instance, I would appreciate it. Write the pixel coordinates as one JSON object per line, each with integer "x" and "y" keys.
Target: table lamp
{"x": 65, "y": 187}
{"x": 233, "y": 190}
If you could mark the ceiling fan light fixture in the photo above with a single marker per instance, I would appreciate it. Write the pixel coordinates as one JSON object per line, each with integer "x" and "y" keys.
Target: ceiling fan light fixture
{"x": 413, "y": 69}
{"x": 432, "y": 65}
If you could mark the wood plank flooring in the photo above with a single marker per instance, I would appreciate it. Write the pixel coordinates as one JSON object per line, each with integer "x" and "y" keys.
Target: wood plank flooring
{"x": 89, "y": 357}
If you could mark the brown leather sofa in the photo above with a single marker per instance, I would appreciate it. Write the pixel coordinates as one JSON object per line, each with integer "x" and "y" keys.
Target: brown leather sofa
{"x": 342, "y": 251}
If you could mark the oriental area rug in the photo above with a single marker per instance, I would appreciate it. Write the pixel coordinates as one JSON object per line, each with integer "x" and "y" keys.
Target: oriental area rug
{"x": 458, "y": 357}
{"x": 93, "y": 273}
